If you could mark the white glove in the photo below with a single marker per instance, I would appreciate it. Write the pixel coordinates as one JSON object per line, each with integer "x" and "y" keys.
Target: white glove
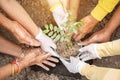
{"x": 89, "y": 52}
{"x": 47, "y": 44}
{"x": 60, "y": 16}
{"x": 74, "y": 66}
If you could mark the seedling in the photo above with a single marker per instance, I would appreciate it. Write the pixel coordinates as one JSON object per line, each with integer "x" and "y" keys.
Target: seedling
{"x": 60, "y": 35}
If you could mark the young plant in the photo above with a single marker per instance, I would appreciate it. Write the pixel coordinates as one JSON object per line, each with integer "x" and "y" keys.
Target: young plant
{"x": 60, "y": 35}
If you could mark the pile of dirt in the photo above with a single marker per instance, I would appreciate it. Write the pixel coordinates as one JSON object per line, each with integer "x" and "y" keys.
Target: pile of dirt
{"x": 67, "y": 51}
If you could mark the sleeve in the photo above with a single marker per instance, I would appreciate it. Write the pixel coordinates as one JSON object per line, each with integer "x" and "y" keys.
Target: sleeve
{"x": 109, "y": 48}
{"x": 93, "y": 72}
{"x": 103, "y": 8}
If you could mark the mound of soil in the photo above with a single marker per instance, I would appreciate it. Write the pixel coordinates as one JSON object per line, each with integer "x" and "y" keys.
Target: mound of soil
{"x": 66, "y": 51}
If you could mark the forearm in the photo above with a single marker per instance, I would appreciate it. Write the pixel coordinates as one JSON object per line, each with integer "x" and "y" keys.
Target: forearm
{"x": 17, "y": 12}
{"x": 100, "y": 73}
{"x": 8, "y": 47}
{"x": 6, "y": 70}
{"x": 109, "y": 48}
{"x": 114, "y": 22}
{"x": 103, "y": 8}
{"x": 5, "y": 22}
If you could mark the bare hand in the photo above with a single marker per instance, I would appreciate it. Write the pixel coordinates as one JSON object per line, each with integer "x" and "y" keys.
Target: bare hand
{"x": 22, "y": 35}
{"x": 38, "y": 57}
{"x": 89, "y": 23}
{"x": 100, "y": 36}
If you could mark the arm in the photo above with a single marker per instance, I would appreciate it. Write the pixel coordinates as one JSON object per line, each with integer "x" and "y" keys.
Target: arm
{"x": 103, "y": 8}
{"x": 16, "y": 12}
{"x": 99, "y": 12}
{"x": 105, "y": 34}
{"x": 100, "y": 73}
{"x": 109, "y": 48}
{"x": 12, "y": 49}
{"x": 18, "y": 31}
{"x": 33, "y": 57}
{"x": 90, "y": 71}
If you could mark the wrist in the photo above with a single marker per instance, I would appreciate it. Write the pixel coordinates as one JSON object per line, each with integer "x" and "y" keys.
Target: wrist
{"x": 95, "y": 51}
{"x": 80, "y": 66}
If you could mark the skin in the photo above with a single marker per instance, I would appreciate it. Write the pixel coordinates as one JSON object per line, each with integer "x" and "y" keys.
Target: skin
{"x": 17, "y": 13}
{"x": 89, "y": 23}
{"x": 105, "y": 34}
{"x": 18, "y": 31}
{"x": 32, "y": 57}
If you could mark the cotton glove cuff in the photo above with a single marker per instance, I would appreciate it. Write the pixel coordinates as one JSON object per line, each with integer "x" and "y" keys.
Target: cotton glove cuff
{"x": 59, "y": 14}
{"x": 80, "y": 66}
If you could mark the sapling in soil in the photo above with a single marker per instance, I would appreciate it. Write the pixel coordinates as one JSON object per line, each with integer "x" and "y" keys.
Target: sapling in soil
{"x": 66, "y": 46}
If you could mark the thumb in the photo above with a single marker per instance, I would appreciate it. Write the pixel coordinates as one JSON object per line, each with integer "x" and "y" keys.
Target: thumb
{"x": 35, "y": 43}
{"x": 64, "y": 61}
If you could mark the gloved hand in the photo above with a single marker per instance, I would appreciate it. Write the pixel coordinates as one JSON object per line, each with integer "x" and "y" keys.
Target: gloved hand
{"x": 74, "y": 66}
{"x": 89, "y": 52}
{"x": 60, "y": 16}
{"x": 47, "y": 44}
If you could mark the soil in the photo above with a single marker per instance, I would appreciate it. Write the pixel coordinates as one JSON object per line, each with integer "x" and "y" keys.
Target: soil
{"x": 39, "y": 12}
{"x": 67, "y": 51}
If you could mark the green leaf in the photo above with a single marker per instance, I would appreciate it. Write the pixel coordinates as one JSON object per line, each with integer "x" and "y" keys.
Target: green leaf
{"x": 50, "y": 33}
{"x": 62, "y": 32}
{"x": 57, "y": 37}
{"x": 54, "y": 35}
{"x": 55, "y": 28}
{"x": 45, "y": 31}
{"x": 58, "y": 30}
{"x": 46, "y": 26}
{"x": 51, "y": 27}
{"x": 61, "y": 39}
{"x": 67, "y": 39}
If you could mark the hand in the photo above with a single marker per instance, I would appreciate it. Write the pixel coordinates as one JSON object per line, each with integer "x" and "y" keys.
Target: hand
{"x": 60, "y": 16}
{"x": 38, "y": 57}
{"x": 74, "y": 66}
{"x": 89, "y": 52}
{"x": 47, "y": 44}
{"x": 22, "y": 35}
{"x": 89, "y": 24}
{"x": 100, "y": 36}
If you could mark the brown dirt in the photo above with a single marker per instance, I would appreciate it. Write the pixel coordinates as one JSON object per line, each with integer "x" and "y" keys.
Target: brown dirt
{"x": 39, "y": 12}
{"x": 66, "y": 51}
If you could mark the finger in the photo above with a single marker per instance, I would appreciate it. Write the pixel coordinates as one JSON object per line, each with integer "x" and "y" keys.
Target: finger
{"x": 82, "y": 50}
{"x": 49, "y": 63}
{"x": 53, "y": 59}
{"x": 86, "y": 58}
{"x": 34, "y": 42}
{"x": 43, "y": 66}
{"x": 86, "y": 42}
{"x": 53, "y": 45}
{"x": 64, "y": 62}
{"x": 83, "y": 56}
{"x": 53, "y": 53}
{"x": 42, "y": 57}
{"x": 79, "y": 36}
